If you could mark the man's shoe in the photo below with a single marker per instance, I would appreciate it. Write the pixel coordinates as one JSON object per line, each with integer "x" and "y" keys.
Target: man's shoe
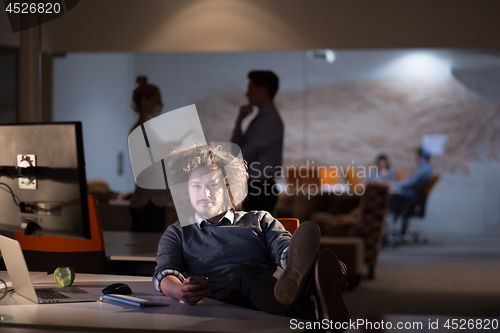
{"x": 329, "y": 279}
{"x": 302, "y": 253}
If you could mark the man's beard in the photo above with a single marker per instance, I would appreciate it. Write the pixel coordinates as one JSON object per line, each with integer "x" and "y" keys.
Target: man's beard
{"x": 213, "y": 209}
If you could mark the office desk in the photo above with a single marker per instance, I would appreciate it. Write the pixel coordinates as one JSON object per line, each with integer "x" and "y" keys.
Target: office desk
{"x": 208, "y": 316}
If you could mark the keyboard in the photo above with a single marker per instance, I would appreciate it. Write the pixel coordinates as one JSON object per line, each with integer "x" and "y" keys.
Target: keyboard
{"x": 49, "y": 294}
{"x": 131, "y": 300}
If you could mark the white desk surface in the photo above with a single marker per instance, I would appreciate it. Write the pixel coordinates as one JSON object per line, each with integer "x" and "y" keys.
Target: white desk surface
{"x": 209, "y": 315}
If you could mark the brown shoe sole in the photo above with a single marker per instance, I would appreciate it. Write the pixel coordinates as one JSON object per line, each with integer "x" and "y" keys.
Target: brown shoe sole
{"x": 302, "y": 253}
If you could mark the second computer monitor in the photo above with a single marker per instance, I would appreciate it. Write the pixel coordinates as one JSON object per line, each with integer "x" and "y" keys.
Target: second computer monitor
{"x": 44, "y": 189}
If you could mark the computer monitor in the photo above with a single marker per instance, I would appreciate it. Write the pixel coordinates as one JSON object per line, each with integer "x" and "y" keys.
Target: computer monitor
{"x": 43, "y": 189}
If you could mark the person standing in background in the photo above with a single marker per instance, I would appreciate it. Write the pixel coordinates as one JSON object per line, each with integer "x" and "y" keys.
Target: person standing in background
{"x": 262, "y": 142}
{"x": 148, "y": 208}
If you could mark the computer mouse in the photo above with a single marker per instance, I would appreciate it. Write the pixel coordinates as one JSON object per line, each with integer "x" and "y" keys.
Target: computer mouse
{"x": 117, "y": 288}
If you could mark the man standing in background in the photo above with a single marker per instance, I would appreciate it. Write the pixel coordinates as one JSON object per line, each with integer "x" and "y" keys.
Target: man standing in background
{"x": 262, "y": 142}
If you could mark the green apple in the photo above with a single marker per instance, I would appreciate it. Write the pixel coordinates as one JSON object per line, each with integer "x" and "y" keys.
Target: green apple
{"x": 64, "y": 276}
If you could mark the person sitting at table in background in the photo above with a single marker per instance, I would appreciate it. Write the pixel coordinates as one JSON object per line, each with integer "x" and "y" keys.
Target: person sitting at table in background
{"x": 148, "y": 208}
{"x": 239, "y": 251}
{"x": 405, "y": 192}
{"x": 383, "y": 172}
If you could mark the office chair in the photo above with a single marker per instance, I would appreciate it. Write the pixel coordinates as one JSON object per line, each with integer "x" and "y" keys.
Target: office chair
{"x": 413, "y": 209}
{"x": 289, "y": 223}
{"x": 48, "y": 252}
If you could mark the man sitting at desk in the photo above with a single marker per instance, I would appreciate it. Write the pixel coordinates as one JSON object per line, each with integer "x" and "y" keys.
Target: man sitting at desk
{"x": 239, "y": 251}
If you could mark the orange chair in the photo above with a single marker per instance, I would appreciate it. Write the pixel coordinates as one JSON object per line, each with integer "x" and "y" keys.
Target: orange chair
{"x": 290, "y": 224}
{"x": 328, "y": 176}
{"x": 46, "y": 253}
{"x": 416, "y": 208}
{"x": 428, "y": 187}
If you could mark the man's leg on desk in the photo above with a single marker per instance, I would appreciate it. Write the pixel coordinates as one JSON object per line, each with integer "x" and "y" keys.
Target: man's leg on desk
{"x": 310, "y": 288}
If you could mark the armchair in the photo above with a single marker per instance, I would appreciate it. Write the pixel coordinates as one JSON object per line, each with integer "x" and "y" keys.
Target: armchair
{"x": 365, "y": 221}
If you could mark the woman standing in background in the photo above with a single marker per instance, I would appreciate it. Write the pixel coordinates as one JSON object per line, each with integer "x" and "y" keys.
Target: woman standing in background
{"x": 147, "y": 207}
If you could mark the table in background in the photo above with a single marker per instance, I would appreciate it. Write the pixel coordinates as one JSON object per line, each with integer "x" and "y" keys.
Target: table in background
{"x": 302, "y": 205}
{"x": 208, "y": 315}
{"x": 115, "y": 214}
{"x": 131, "y": 246}
{"x": 132, "y": 253}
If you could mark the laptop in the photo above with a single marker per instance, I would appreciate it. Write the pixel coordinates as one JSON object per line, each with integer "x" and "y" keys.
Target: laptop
{"x": 21, "y": 280}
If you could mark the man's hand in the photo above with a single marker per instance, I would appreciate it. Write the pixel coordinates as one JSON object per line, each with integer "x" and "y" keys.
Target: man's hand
{"x": 245, "y": 110}
{"x": 192, "y": 293}
{"x": 185, "y": 291}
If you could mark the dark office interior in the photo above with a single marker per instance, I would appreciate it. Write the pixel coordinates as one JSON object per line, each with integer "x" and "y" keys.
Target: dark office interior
{"x": 357, "y": 79}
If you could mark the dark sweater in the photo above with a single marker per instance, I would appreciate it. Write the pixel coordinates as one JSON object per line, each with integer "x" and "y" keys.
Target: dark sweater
{"x": 217, "y": 250}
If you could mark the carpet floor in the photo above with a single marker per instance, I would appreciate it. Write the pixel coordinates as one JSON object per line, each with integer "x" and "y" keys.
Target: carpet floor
{"x": 448, "y": 276}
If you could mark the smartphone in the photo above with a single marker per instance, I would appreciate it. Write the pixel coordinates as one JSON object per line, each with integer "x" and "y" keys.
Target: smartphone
{"x": 201, "y": 280}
